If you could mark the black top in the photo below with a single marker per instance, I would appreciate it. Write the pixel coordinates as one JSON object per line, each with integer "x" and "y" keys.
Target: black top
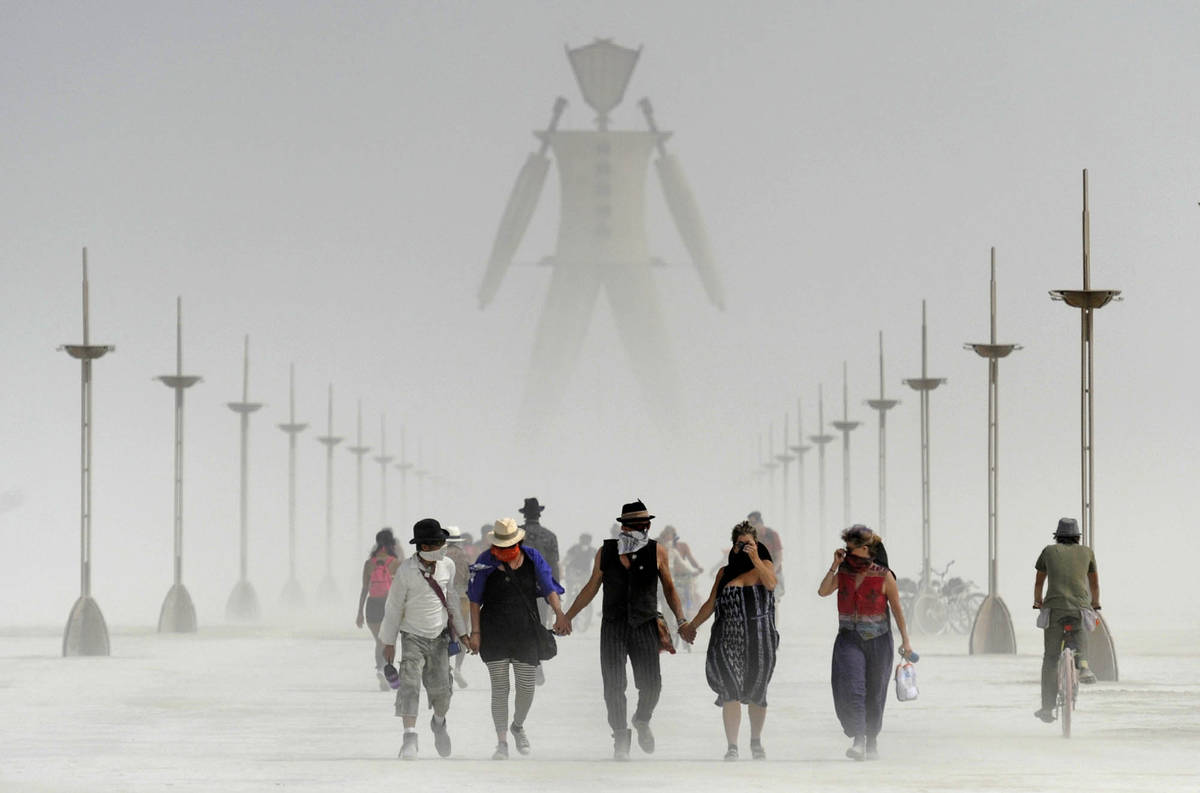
{"x": 506, "y": 625}
{"x": 630, "y": 594}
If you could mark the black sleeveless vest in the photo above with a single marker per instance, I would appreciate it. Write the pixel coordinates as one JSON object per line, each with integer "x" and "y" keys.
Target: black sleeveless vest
{"x": 630, "y": 595}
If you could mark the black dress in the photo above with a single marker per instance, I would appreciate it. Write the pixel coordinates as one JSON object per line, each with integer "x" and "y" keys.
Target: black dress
{"x": 507, "y": 627}
{"x": 742, "y": 645}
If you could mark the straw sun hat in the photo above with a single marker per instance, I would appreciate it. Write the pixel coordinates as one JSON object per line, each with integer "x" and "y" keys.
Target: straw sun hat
{"x": 505, "y": 533}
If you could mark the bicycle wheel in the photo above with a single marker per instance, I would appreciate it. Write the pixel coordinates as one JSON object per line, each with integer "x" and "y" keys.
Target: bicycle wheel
{"x": 1066, "y": 689}
{"x": 929, "y": 614}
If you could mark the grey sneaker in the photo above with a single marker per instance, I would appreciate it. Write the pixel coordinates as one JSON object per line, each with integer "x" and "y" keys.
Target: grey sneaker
{"x": 1086, "y": 676}
{"x": 520, "y": 738}
{"x": 621, "y": 740}
{"x": 858, "y": 749}
{"x": 1045, "y": 714}
{"x": 731, "y": 753}
{"x": 441, "y": 737}
{"x": 645, "y": 736}
{"x": 872, "y": 748}
{"x": 756, "y": 750}
{"x": 408, "y": 750}
{"x": 501, "y": 752}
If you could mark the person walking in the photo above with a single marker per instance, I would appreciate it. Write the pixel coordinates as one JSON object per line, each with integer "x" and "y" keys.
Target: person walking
{"x": 377, "y": 575}
{"x": 422, "y": 609}
{"x": 542, "y": 540}
{"x": 506, "y": 581}
{"x": 457, "y": 552}
{"x": 1066, "y": 571}
{"x": 743, "y": 641}
{"x": 862, "y": 652}
{"x": 630, "y": 569}
{"x": 770, "y": 538}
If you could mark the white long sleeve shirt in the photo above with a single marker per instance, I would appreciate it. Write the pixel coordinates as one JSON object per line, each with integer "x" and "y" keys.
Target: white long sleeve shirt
{"x": 412, "y": 605}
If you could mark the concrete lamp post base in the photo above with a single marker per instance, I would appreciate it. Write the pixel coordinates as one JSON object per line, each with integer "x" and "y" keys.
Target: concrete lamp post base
{"x": 86, "y": 633}
{"x": 178, "y": 614}
{"x": 992, "y": 632}
{"x": 242, "y": 605}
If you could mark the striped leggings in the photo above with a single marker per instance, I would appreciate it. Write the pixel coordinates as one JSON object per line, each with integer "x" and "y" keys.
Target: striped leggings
{"x": 498, "y": 672}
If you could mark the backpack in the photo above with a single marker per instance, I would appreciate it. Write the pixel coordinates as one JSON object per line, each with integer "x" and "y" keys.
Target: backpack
{"x": 381, "y": 579}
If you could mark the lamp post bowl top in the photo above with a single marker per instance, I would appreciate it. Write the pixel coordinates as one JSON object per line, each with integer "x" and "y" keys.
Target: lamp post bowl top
{"x": 801, "y": 449}
{"x": 924, "y": 383}
{"x": 403, "y": 466}
{"x": 87, "y": 352}
{"x": 243, "y": 407}
{"x": 359, "y": 450}
{"x": 179, "y": 380}
{"x": 293, "y": 427}
{"x": 770, "y": 466}
{"x": 785, "y": 458}
{"x": 991, "y": 351}
{"x": 383, "y": 459}
{"x": 822, "y": 439}
{"x": 1085, "y": 298}
{"x": 330, "y": 440}
{"x": 844, "y": 426}
{"x": 883, "y": 404}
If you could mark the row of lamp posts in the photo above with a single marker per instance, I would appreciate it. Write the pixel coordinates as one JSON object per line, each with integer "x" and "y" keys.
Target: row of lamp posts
{"x": 992, "y": 629}
{"x": 86, "y": 631}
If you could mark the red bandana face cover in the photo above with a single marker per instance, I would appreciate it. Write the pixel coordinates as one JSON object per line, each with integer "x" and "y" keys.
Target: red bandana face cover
{"x": 508, "y": 554}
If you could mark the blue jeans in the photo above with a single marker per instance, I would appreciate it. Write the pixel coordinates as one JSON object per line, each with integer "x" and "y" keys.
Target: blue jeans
{"x": 862, "y": 670}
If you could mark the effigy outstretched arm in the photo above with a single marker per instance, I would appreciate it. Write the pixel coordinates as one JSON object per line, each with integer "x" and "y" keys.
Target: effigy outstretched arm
{"x": 686, "y": 214}
{"x": 522, "y": 201}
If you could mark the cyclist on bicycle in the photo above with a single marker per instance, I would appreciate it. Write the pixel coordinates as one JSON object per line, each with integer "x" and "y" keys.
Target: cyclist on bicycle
{"x": 1067, "y": 572}
{"x": 577, "y": 564}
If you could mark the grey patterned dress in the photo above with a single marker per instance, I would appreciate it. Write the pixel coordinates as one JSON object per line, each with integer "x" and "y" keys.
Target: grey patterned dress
{"x": 742, "y": 645}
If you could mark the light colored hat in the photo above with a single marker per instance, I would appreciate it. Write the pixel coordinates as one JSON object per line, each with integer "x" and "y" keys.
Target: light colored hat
{"x": 505, "y": 533}
{"x": 455, "y": 534}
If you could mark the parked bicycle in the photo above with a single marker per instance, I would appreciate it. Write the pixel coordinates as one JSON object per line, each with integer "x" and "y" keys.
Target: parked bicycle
{"x": 940, "y": 604}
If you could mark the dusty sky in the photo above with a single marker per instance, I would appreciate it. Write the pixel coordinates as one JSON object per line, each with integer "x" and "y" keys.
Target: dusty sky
{"x": 328, "y": 178}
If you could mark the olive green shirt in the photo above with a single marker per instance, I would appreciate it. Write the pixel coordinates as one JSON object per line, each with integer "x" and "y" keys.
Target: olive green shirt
{"x": 1066, "y": 566}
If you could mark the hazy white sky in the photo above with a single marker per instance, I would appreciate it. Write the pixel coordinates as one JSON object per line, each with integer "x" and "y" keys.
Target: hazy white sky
{"x": 328, "y": 179}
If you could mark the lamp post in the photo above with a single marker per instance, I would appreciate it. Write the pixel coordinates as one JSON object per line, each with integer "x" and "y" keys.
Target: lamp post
{"x": 358, "y": 450}
{"x": 293, "y": 593}
{"x": 929, "y": 613}
{"x": 992, "y": 631}
{"x": 404, "y": 466}
{"x": 821, "y": 439}
{"x": 845, "y": 426}
{"x": 242, "y": 605}
{"x": 882, "y": 406}
{"x": 800, "y": 449}
{"x": 785, "y": 459}
{"x": 1102, "y": 656}
{"x": 178, "y": 614}
{"x": 86, "y": 632}
{"x": 327, "y": 592}
{"x": 383, "y": 458}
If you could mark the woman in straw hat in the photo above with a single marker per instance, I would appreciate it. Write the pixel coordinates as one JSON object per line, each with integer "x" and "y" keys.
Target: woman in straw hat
{"x": 506, "y": 581}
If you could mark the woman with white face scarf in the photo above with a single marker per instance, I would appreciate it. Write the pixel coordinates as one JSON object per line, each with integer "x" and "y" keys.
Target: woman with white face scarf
{"x": 506, "y": 581}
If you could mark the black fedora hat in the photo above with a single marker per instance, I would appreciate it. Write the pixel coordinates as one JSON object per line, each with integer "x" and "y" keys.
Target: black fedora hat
{"x": 428, "y": 530}
{"x": 532, "y": 507}
{"x": 635, "y": 512}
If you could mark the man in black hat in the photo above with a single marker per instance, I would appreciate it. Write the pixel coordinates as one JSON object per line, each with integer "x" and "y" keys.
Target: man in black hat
{"x": 1069, "y": 569}
{"x": 545, "y": 542}
{"x": 630, "y": 568}
{"x": 423, "y": 610}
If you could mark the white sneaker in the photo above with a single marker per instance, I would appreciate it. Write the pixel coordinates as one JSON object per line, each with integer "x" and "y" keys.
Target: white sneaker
{"x": 408, "y": 751}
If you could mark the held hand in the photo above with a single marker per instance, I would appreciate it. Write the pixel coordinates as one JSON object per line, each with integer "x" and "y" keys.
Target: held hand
{"x": 389, "y": 653}
{"x": 562, "y": 625}
{"x": 687, "y": 632}
{"x": 468, "y": 642}
{"x": 359, "y": 620}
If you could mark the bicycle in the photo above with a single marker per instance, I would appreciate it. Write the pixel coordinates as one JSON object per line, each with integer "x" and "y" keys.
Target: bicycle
{"x": 940, "y": 604}
{"x": 1068, "y": 676}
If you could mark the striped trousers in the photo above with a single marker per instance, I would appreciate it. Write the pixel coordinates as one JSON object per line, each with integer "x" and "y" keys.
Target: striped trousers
{"x": 618, "y": 641}
{"x": 525, "y": 674}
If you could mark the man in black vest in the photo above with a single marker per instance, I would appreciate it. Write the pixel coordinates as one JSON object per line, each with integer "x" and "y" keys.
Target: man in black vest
{"x": 545, "y": 542}
{"x": 630, "y": 568}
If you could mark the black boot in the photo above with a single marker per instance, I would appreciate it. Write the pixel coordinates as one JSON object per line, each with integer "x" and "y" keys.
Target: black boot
{"x": 621, "y": 739}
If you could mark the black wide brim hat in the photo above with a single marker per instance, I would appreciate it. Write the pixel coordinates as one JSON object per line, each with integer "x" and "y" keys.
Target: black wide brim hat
{"x": 531, "y": 507}
{"x": 635, "y": 512}
{"x": 428, "y": 530}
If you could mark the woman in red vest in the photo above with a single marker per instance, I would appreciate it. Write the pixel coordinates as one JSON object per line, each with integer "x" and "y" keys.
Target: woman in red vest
{"x": 862, "y": 652}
